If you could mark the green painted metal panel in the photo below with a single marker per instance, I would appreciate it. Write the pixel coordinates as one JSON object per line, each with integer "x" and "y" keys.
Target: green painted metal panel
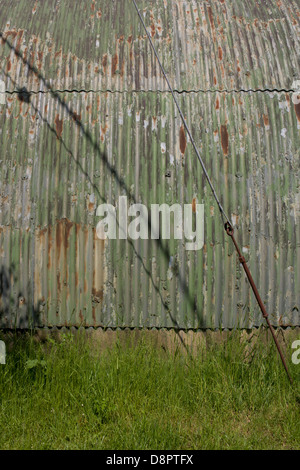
{"x": 70, "y": 142}
{"x": 63, "y": 154}
{"x": 100, "y": 45}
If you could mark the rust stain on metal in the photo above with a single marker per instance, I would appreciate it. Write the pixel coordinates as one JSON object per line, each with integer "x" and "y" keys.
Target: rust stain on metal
{"x": 224, "y": 139}
{"x": 297, "y": 110}
{"x": 68, "y": 226}
{"x": 152, "y": 29}
{"x": 63, "y": 228}
{"x": 91, "y": 206}
{"x": 103, "y": 132}
{"x": 194, "y": 202}
{"x": 104, "y": 61}
{"x": 59, "y": 126}
{"x": 58, "y": 236}
{"x": 58, "y": 53}
{"x": 7, "y": 34}
{"x": 76, "y": 117}
{"x": 182, "y": 140}
{"x": 211, "y": 18}
{"x": 34, "y": 8}
{"x": 266, "y": 119}
{"x": 58, "y": 282}
{"x": 217, "y": 103}
{"x": 220, "y": 53}
{"x": 114, "y": 64}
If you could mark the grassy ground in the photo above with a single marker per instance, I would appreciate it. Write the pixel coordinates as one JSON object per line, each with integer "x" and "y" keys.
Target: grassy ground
{"x": 66, "y": 395}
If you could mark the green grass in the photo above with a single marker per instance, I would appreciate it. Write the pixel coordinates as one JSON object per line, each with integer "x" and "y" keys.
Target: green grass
{"x": 69, "y": 395}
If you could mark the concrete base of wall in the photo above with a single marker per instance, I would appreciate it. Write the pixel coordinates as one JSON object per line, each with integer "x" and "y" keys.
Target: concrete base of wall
{"x": 189, "y": 342}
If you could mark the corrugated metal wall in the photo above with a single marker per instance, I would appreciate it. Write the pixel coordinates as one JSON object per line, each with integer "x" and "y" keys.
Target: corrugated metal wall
{"x": 87, "y": 118}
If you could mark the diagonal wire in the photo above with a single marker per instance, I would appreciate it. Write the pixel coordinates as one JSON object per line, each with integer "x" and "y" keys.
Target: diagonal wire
{"x": 223, "y": 213}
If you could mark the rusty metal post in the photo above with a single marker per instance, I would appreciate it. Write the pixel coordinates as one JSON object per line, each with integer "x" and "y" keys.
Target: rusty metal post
{"x": 229, "y": 231}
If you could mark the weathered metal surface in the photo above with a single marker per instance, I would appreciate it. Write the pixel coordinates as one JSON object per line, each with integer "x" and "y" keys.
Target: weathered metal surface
{"x": 100, "y": 45}
{"x": 63, "y": 154}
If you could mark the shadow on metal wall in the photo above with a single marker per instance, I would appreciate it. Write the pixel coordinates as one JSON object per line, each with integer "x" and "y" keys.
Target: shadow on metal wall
{"x": 16, "y": 312}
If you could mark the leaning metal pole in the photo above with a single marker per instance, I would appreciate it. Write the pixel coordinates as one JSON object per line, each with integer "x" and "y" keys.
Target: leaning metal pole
{"x": 228, "y": 225}
{"x": 229, "y": 231}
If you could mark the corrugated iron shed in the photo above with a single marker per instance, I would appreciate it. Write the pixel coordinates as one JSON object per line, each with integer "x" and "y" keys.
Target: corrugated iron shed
{"x": 87, "y": 118}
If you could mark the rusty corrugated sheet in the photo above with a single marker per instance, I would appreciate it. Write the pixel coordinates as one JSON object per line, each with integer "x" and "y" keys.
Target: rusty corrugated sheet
{"x": 100, "y": 45}
{"x": 57, "y": 166}
{"x": 64, "y": 153}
